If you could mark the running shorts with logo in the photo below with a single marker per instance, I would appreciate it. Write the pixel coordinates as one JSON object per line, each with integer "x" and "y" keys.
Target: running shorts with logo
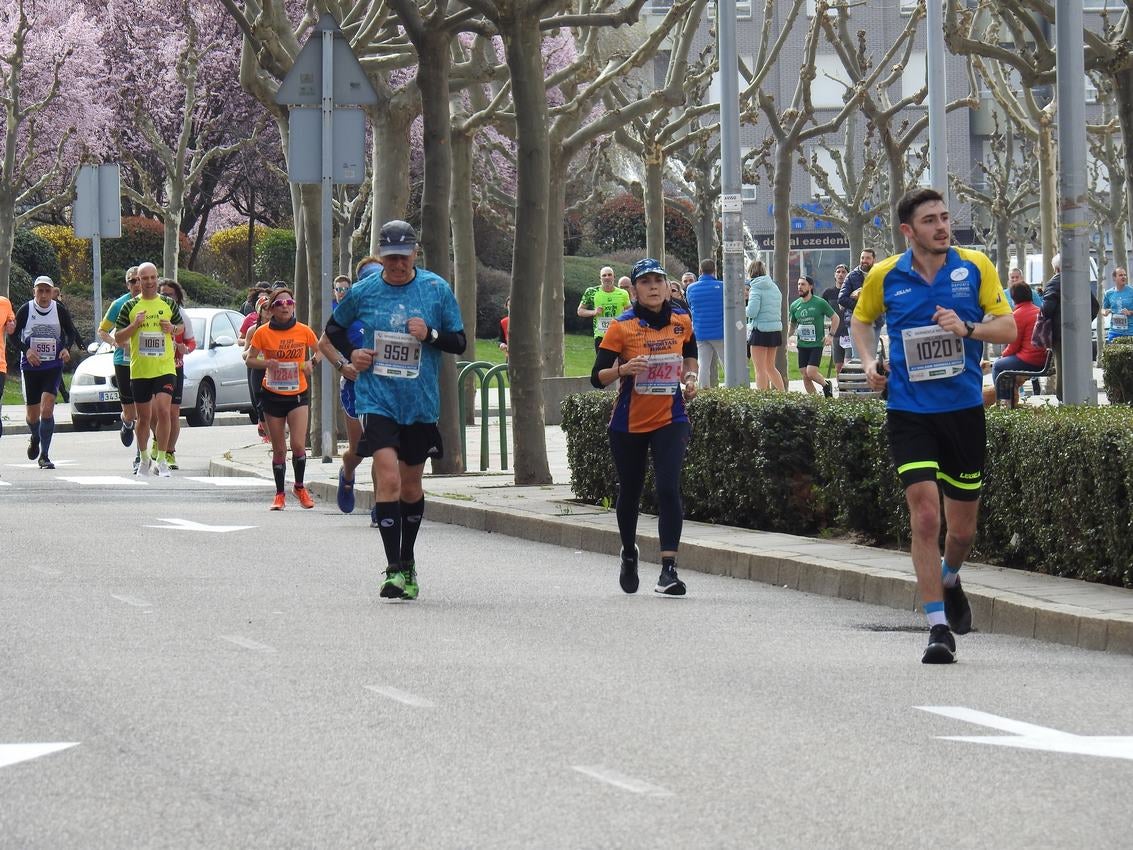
{"x": 414, "y": 443}
{"x": 144, "y": 389}
{"x": 949, "y": 448}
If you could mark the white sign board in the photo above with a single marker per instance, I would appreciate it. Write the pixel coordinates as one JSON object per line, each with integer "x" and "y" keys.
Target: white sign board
{"x": 305, "y": 146}
{"x": 98, "y": 202}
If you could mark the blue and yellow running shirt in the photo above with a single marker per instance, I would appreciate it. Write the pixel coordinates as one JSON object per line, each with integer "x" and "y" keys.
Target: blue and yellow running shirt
{"x": 944, "y": 368}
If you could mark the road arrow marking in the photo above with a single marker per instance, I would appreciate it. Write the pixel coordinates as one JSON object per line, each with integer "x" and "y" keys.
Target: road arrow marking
{"x": 189, "y": 525}
{"x": 620, "y": 780}
{"x": 16, "y": 753}
{"x": 1027, "y": 736}
{"x": 131, "y": 600}
{"x": 403, "y": 697}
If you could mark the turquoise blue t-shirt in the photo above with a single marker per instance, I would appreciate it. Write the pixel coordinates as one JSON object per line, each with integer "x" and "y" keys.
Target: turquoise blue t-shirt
{"x": 1115, "y": 301}
{"x": 381, "y": 306}
{"x": 121, "y": 357}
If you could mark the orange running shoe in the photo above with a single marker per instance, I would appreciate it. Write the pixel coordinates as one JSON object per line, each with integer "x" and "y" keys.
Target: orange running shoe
{"x": 277, "y": 502}
{"x": 304, "y": 496}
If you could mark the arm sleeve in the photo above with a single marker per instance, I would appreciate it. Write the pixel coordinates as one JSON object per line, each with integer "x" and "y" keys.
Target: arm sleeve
{"x": 688, "y": 351}
{"x": 604, "y": 359}
{"x": 17, "y": 336}
{"x": 871, "y": 303}
{"x": 450, "y": 342}
{"x": 67, "y": 325}
{"x": 753, "y": 302}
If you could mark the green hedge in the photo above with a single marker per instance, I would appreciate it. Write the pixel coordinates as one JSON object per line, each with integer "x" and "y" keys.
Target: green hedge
{"x": 1117, "y": 370}
{"x": 1058, "y": 480}
{"x": 275, "y": 255}
{"x": 35, "y": 255}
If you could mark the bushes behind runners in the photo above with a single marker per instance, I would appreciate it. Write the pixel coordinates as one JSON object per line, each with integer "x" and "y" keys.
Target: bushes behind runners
{"x": 1058, "y": 479}
{"x": 1117, "y": 370}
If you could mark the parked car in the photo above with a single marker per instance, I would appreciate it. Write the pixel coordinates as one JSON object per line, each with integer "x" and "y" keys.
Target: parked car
{"x": 215, "y": 377}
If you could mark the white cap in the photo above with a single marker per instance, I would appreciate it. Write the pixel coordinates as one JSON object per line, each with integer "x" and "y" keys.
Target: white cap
{"x": 43, "y": 280}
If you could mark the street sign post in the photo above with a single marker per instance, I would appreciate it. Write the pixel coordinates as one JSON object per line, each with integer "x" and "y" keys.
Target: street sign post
{"x": 97, "y": 214}
{"x": 326, "y": 74}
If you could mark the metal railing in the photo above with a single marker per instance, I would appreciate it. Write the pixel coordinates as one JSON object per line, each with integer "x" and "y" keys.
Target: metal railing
{"x": 485, "y": 373}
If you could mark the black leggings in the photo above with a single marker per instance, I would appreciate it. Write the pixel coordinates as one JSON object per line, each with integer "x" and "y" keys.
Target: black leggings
{"x": 668, "y": 446}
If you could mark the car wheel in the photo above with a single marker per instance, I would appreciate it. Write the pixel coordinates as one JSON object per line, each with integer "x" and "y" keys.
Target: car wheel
{"x": 204, "y": 411}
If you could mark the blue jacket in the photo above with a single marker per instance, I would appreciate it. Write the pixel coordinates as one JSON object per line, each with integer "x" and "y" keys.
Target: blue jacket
{"x": 764, "y": 305}
{"x": 706, "y": 302}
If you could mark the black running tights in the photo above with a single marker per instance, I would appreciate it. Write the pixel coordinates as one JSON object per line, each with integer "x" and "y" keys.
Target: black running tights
{"x": 667, "y": 446}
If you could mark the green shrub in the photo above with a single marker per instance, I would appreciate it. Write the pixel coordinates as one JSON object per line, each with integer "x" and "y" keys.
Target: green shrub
{"x": 620, "y": 223}
{"x": 142, "y": 241}
{"x": 1056, "y": 487}
{"x": 19, "y": 286}
{"x": 1117, "y": 370}
{"x": 35, "y": 255}
{"x": 202, "y": 290}
{"x": 275, "y": 255}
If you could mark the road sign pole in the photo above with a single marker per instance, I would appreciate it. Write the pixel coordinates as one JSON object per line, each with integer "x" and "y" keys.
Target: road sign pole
{"x": 96, "y": 258}
{"x": 330, "y": 443}
{"x": 731, "y": 203}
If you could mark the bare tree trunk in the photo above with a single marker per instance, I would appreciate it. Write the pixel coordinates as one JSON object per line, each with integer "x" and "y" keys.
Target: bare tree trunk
{"x": 781, "y": 194}
{"x": 464, "y": 251}
{"x": 1123, "y": 93}
{"x": 654, "y": 161}
{"x": 896, "y": 163}
{"x": 522, "y": 41}
{"x": 855, "y": 235}
{"x": 308, "y": 302}
{"x": 1048, "y": 195}
{"x": 1002, "y": 246}
{"x": 554, "y": 274}
{"x": 7, "y": 239}
{"x": 171, "y": 245}
{"x": 250, "y": 270}
{"x": 389, "y": 160}
{"x": 706, "y": 234}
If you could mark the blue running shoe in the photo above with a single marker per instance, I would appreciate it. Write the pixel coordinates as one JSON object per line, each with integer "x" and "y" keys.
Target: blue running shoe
{"x": 345, "y": 493}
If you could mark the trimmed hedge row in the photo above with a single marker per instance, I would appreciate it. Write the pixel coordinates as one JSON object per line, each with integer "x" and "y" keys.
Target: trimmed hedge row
{"x": 1055, "y": 498}
{"x": 1117, "y": 370}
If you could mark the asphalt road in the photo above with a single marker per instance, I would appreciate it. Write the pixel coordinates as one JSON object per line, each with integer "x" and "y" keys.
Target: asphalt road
{"x": 250, "y": 689}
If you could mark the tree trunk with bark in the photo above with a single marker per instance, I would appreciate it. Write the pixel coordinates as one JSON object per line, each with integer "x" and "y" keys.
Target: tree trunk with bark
{"x": 523, "y": 43}
{"x": 389, "y": 167}
{"x": 1048, "y": 193}
{"x": 781, "y": 194}
{"x": 553, "y": 284}
{"x": 464, "y": 250}
{"x": 7, "y": 237}
{"x": 653, "y": 188}
{"x": 1123, "y": 94}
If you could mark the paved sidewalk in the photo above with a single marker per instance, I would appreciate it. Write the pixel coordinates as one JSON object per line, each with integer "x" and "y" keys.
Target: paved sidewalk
{"x": 1004, "y": 601}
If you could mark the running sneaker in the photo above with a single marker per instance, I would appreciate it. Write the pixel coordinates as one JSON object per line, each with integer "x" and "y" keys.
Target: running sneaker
{"x": 33, "y": 446}
{"x": 394, "y": 585}
{"x": 171, "y": 460}
{"x": 374, "y": 517}
{"x": 628, "y": 578}
{"x": 941, "y": 647}
{"x": 957, "y": 609}
{"x": 669, "y": 584}
{"x": 163, "y": 469}
{"x": 277, "y": 502}
{"x": 137, "y": 463}
{"x": 345, "y": 493}
{"x": 828, "y": 390}
{"x": 45, "y": 463}
{"x": 303, "y": 495}
{"x": 410, "y": 572}
{"x": 143, "y": 464}
{"x": 126, "y": 434}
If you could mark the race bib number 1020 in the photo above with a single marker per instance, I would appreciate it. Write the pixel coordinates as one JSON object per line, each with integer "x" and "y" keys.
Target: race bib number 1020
{"x": 932, "y": 353}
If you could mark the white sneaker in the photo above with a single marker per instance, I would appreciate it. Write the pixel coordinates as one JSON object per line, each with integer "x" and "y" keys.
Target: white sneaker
{"x": 163, "y": 469}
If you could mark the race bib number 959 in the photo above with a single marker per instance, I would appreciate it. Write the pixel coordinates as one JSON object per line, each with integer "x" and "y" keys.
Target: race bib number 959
{"x": 396, "y": 355}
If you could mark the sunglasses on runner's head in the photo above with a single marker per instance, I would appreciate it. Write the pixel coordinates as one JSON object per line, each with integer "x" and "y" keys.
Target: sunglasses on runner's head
{"x": 283, "y": 302}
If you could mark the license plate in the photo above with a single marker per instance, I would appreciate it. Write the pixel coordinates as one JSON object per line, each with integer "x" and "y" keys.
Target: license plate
{"x": 108, "y": 395}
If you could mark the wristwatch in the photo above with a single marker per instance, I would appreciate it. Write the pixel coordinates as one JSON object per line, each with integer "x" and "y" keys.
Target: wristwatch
{"x": 341, "y": 364}
{"x": 433, "y": 334}
{"x": 969, "y": 328}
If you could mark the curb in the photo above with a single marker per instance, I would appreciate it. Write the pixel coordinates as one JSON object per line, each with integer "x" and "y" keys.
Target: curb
{"x": 996, "y": 611}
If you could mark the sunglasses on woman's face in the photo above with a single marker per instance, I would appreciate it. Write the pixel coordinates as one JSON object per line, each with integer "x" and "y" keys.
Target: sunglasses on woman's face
{"x": 283, "y": 302}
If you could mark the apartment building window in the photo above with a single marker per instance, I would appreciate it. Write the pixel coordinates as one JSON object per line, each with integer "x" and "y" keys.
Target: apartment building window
{"x": 830, "y": 82}
{"x": 743, "y": 9}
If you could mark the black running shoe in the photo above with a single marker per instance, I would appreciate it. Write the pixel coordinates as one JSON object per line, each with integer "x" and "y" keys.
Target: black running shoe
{"x": 45, "y": 463}
{"x": 628, "y": 577}
{"x": 941, "y": 647}
{"x": 33, "y": 446}
{"x": 669, "y": 584}
{"x": 957, "y": 609}
{"x": 126, "y": 434}
{"x": 828, "y": 390}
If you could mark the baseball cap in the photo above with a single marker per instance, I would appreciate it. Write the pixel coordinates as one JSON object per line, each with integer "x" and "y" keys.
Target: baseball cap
{"x": 647, "y": 266}
{"x": 263, "y": 285}
{"x": 44, "y": 280}
{"x": 397, "y": 237}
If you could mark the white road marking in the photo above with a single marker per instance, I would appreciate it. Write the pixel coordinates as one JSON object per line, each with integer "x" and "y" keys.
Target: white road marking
{"x": 103, "y": 480}
{"x": 189, "y": 525}
{"x": 231, "y": 480}
{"x": 620, "y": 780}
{"x": 1028, "y": 736}
{"x": 248, "y": 643}
{"x": 131, "y": 600}
{"x": 401, "y": 696}
{"x": 15, "y": 753}
{"x": 5, "y": 483}
{"x": 35, "y": 464}
{"x": 47, "y": 571}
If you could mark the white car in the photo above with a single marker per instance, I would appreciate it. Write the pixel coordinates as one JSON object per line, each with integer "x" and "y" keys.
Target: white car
{"x": 215, "y": 376}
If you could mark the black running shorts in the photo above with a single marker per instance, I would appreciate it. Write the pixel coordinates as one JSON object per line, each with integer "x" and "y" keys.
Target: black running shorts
{"x": 810, "y": 357}
{"x": 41, "y": 382}
{"x": 275, "y": 404}
{"x": 146, "y": 388}
{"x": 125, "y": 385}
{"x": 414, "y": 443}
{"x": 948, "y": 448}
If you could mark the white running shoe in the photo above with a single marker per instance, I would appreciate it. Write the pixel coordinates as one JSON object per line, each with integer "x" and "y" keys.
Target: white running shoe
{"x": 163, "y": 469}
